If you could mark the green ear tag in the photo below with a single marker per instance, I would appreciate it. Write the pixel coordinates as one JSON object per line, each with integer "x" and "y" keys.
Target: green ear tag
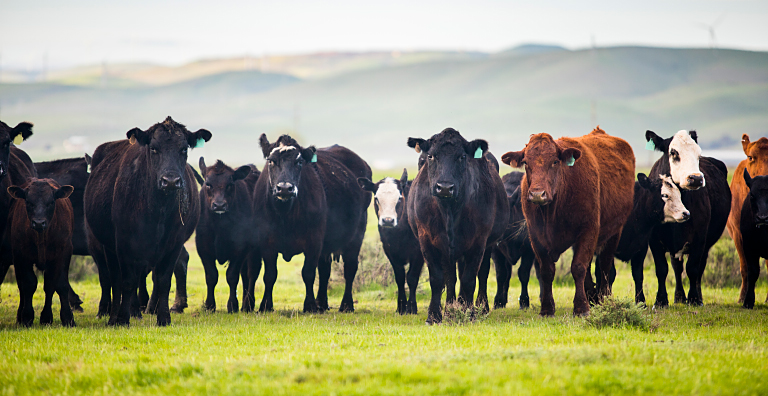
{"x": 478, "y": 152}
{"x": 18, "y": 139}
{"x": 570, "y": 161}
{"x": 200, "y": 142}
{"x": 650, "y": 145}
{"x": 314, "y": 158}
{"x": 88, "y": 170}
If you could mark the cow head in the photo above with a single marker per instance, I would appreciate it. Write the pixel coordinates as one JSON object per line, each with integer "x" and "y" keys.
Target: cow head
{"x": 285, "y": 159}
{"x": 757, "y": 155}
{"x": 758, "y": 197}
{"x": 545, "y": 163}
{"x": 166, "y": 145}
{"x": 219, "y": 184}
{"x": 683, "y": 152}
{"x": 389, "y": 198}
{"x": 448, "y": 154}
{"x": 666, "y": 198}
{"x": 7, "y": 135}
{"x": 40, "y": 196}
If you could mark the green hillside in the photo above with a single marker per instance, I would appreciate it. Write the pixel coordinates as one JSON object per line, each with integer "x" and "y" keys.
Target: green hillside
{"x": 503, "y": 98}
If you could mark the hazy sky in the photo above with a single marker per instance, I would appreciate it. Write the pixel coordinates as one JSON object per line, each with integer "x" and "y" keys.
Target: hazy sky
{"x": 173, "y": 32}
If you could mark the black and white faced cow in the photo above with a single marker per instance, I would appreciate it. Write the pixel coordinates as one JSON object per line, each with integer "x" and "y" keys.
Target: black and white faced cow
{"x": 754, "y": 231}
{"x": 457, "y": 209}
{"x": 705, "y": 193}
{"x": 400, "y": 244}
{"x": 308, "y": 201}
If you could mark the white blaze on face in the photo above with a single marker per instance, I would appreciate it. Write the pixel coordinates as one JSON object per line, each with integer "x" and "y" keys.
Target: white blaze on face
{"x": 674, "y": 210}
{"x": 684, "y": 155}
{"x": 387, "y": 196}
{"x": 282, "y": 148}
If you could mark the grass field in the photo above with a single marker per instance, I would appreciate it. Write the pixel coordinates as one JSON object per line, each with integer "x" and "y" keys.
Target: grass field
{"x": 719, "y": 348}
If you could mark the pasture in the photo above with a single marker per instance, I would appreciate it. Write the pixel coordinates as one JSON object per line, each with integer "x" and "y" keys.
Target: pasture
{"x": 719, "y": 348}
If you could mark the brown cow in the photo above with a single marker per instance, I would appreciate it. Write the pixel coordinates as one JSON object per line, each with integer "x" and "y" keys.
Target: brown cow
{"x": 41, "y": 235}
{"x": 757, "y": 165}
{"x": 576, "y": 192}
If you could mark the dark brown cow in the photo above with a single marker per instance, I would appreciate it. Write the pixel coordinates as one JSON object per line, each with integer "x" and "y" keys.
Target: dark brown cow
{"x": 757, "y": 165}
{"x": 576, "y": 192}
{"x": 41, "y": 236}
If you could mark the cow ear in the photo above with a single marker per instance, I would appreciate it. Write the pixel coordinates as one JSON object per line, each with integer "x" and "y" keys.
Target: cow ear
{"x": 366, "y": 184}
{"x": 515, "y": 197}
{"x": 63, "y": 192}
{"x": 202, "y": 166}
{"x": 644, "y": 181}
{"x": 88, "y": 159}
{"x": 513, "y": 158}
{"x": 24, "y": 129}
{"x": 745, "y": 143}
{"x": 570, "y": 155}
{"x": 476, "y": 148}
{"x": 241, "y": 173}
{"x": 17, "y": 192}
{"x": 653, "y": 139}
{"x": 196, "y": 139}
{"x": 418, "y": 144}
{"x": 309, "y": 154}
{"x": 137, "y": 135}
{"x": 694, "y": 136}
{"x": 265, "y": 145}
{"x": 404, "y": 179}
{"x": 747, "y": 178}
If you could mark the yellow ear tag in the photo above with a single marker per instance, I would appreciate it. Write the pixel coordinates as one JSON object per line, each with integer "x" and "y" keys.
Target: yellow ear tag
{"x": 18, "y": 139}
{"x": 132, "y": 139}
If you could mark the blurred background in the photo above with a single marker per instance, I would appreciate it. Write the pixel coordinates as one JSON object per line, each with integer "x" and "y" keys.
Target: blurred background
{"x": 368, "y": 75}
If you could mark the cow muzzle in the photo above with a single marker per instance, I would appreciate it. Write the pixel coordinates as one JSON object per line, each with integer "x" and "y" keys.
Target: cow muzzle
{"x": 285, "y": 191}
{"x": 761, "y": 220}
{"x": 170, "y": 183}
{"x": 39, "y": 225}
{"x": 539, "y": 197}
{"x": 219, "y": 207}
{"x": 388, "y": 222}
{"x": 444, "y": 190}
{"x": 694, "y": 182}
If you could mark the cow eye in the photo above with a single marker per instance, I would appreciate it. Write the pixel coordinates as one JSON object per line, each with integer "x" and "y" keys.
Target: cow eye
{"x": 556, "y": 162}
{"x": 665, "y": 196}
{"x": 271, "y": 163}
{"x": 749, "y": 157}
{"x": 153, "y": 150}
{"x": 463, "y": 156}
{"x": 184, "y": 151}
{"x": 430, "y": 157}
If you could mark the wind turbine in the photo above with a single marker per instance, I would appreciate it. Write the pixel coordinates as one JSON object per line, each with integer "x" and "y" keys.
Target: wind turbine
{"x": 711, "y": 29}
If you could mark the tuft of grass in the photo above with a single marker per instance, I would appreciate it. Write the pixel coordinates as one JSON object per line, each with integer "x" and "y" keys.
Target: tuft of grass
{"x": 81, "y": 268}
{"x": 722, "y": 265}
{"x": 373, "y": 269}
{"x": 620, "y": 313}
{"x": 458, "y": 315}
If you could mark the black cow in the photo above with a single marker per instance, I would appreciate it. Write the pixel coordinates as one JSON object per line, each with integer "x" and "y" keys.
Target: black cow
{"x": 457, "y": 209}
{"x": 705, "y": 192}
{"x": 754, "y": 231}
{"x": 400, "y": 244}
{"x": 224, "y": 231}
{"x": 308, "y": 201}
{"x": 141, "y": 205}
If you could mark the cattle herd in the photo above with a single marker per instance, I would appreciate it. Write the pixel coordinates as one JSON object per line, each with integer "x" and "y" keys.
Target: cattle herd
{"x": 134, "y": 203}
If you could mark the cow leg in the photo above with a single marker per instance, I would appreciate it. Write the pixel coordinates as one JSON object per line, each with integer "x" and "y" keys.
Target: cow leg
{"x": 583, "y": 252}
{"x": 308, "y": 276}
{"x": 437, "y": 265}
{"x": 253, "y": 268}
{"x": 743, "y": 264}
{"x": 163, "y": 272}
{"x": 414, "y": 273}
{"x": 482, "y": 283}
{"x": 351, "y": 257}
{"x": 591, "y": 287}
{"x": 104, "y": 281}
{"x": 502, "y": 290}
{"x": 637, "y": 262}
{"x": 270, "y": 276}
{"x": 233, "y": 278}
{"x": 324, "y": 272}
{"x": 180, "y": 273}
{"x": 753, "y": 273}
{"x": 677, "y": 266}
{"x": 546, "y": 277}
{"x": 145, "y": 303}
{"x": 211, "y": 276}
{"x": 524, "y": 275}
{"x": 27, "y": 283}
{"x": 116, "y": 282}
{"x": 398, "y": 266}
{"x": 50, "y": 280}
{"x": 662, "y": 269}
{"x": 607, "y": 272}
{"x": 62, "y": 289}
{"x": 450, "y": 279}
{"x": 697, "y": 260}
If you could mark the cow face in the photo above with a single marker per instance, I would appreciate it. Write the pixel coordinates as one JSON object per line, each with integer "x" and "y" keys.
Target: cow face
{"x": 757, "y": 155}
{"x": 545, "y": 163}
{"x": 285, "y": 160}
{"x": 166, "y": 145}
{"x": 683, "y": 152}
{"x": 7, "y": 135}
{"x": 389, "y": 198}
{"x": 219, "y": 184}
{"x": 40, "y": 196}
{"x": 448, "y": 154}
{"x": 666, "y": 198}
{"x": 758, "y": 197}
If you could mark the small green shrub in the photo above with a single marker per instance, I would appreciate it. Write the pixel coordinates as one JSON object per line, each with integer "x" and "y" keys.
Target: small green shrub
{"x": 373, "y": 269}
{"x": 82, "y": 267}
{"x": 722, "y": 265}
{"x": 620, "y": 312}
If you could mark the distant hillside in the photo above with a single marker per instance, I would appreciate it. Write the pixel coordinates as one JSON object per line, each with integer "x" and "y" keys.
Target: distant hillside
{"x": 504, "y": 99}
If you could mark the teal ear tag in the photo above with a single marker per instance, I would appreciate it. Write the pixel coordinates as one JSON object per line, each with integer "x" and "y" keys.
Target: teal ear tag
{"x": 650, "y": 145}
{"x": 200, "y": 142}
{"x": 88, "y": 170}
{"x": 570, "y": 161}
{"x": 478, "y": 152}
{"x": 314, "y": 158}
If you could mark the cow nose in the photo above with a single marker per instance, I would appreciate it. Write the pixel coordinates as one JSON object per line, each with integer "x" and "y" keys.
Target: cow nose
{"x": 444, "y": 190}
{"x": 686, "y": 215}
{"x": 39, "y": 225}
{"x": 538, "y": 197}
{"x": 695, "y": 180}
{"x": 761, "y": 218}
{"x": 285, "y": 188}
{"x": 219, "y": 206}
{"x": 388, "y": 222}
{"x": 170, "y": 182}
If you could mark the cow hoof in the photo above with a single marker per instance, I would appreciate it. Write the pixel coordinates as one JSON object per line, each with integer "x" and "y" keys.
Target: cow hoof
{"x": 68, "y": 323}
{"x": 177, "y": 309}
{"x": 46, "y": 318}
{"x": 661, "y": 304}
{"x": 77, "y": 308}
{"x": 311, "y": 307}
{"x": 347, "y": 308}
{"x": 434, "y": 318}
{"x": 163, "y": 321}
{"x": 233, "y": 307}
